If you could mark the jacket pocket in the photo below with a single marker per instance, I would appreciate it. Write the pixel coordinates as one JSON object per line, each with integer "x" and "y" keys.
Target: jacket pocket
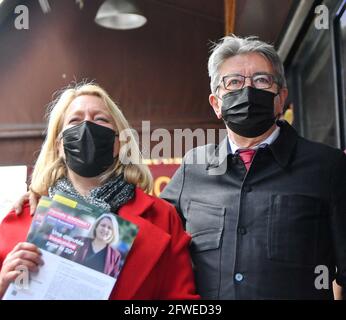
{"x": 205, "y": 223}
{"x": 294, "y": 226}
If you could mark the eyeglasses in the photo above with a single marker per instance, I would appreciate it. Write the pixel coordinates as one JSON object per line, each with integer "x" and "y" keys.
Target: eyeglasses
{"x": 233, "y": 82}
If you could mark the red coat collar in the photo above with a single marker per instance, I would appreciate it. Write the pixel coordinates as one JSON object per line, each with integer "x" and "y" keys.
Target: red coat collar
{"x": 150, "y": 243}
{"x": 140, "y": 203}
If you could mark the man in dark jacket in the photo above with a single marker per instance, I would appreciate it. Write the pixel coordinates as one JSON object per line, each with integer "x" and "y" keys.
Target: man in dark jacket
{"x": 267, "y": 208}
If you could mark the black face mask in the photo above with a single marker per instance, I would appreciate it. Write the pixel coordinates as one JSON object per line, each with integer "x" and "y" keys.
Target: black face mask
{"x": 88, "y": 148}
{"x": 248, "y": 112}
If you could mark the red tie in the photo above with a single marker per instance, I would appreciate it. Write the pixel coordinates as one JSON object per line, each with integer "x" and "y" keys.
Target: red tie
{"x": 247, "y": 156}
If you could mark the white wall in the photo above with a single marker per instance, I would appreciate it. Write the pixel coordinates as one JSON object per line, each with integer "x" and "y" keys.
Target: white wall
{"x": 12, "y": 186}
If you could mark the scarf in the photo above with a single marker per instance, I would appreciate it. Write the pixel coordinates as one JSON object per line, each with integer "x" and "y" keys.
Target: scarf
{"x": 110, "y": 196}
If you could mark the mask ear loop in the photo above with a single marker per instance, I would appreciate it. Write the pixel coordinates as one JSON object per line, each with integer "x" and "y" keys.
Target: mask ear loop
{"x": 116, "y": 136}
{"x": 61, "y": 159}
{"x": 216, "y": 95}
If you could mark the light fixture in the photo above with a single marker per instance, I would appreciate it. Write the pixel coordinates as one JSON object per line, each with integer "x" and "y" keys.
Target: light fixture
{"x": 119, "y": 14}
{"x": 45, "y": 6}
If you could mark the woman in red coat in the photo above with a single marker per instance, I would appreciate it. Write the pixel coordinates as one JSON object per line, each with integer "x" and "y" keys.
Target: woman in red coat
{"x": 83, "y": 157}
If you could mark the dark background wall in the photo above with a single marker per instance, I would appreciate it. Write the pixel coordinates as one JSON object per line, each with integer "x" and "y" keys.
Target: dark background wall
{"x": 157, "y": 72}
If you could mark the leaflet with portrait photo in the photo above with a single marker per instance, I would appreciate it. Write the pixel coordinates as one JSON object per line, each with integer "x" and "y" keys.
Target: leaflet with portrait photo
{"x": 83, "y": 248}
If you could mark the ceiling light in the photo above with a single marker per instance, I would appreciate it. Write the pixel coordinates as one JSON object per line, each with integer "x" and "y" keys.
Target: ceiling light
{"x": 119, "y": 14}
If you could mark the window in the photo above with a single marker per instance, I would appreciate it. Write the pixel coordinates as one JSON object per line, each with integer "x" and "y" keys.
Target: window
{"x": 314, "y": 83}
{"x": 341, "y": 45}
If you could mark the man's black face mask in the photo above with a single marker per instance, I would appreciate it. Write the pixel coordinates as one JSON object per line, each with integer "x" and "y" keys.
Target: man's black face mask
{"x": 88, "y": 148}
{"x": 248, "y": 112}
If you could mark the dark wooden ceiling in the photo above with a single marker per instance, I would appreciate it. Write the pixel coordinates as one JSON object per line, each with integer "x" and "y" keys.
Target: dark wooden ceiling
{"x": 157, "y": 72}
{"x": 264, "y": 18}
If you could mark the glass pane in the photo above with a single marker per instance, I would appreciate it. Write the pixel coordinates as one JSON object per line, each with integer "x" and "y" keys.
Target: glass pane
{"x": 313, "y": 80}
{"x": 343, "y": 45}
{"x": 318, "y": 93}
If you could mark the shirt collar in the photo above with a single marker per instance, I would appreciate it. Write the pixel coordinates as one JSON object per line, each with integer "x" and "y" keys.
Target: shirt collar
{"x": 282, "y": 147}
{"x": 233, "y": 148}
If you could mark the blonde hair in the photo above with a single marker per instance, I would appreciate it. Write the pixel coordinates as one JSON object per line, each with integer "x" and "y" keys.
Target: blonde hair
{"x": 115, "y": 236}
{"x": 50, "y": 166}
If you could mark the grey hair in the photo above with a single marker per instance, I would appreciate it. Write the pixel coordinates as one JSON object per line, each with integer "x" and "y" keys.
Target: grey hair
{"x": 232, "y": 45}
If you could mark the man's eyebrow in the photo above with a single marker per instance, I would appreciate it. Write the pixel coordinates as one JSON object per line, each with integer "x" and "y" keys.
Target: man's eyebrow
{"x": 240, "y": 74}
{"x": 262, "y": 72}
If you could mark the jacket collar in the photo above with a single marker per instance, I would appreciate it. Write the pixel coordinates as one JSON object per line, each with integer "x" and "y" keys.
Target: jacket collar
{"x": 219, "y": 155}
{"x": 282, "y": 148}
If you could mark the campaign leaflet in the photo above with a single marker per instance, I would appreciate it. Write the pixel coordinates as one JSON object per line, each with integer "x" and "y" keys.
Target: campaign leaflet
{"x": 83, "y": 248}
